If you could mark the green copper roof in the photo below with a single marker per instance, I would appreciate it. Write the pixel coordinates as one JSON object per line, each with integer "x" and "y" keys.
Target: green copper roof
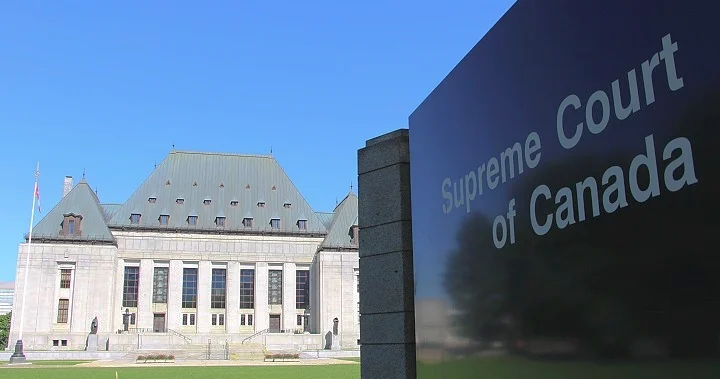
{"x": 109, "y": 210}
{"x": 82, "y": 201}
{"x": 212, "y": 185}
{"x": 345, "y": 217}
{"x": 325, "y": 217}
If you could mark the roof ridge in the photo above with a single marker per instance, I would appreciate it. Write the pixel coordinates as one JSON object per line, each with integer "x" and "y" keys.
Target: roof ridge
{"x": 222, "y": 154}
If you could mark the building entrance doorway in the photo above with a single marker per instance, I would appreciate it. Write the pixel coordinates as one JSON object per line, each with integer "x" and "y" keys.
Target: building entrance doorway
{"x": 159, "y": 322}
{"x": 274, "y": 324}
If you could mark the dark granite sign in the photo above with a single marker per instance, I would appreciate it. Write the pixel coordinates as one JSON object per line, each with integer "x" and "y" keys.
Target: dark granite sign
{"x": 564, "y": 179}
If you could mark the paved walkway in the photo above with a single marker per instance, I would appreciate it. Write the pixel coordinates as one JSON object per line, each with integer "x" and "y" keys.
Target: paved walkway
{"x": 128, "y": 363}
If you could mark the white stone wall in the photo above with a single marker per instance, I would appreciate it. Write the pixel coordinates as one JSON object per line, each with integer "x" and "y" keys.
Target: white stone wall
{"x": 90, "y": 293}
{"x": 338, "y": 295}
{"x": 98, "y": 272}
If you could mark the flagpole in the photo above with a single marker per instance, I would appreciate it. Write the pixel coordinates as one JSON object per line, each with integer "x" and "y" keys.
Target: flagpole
{"x": 18, "y": 355}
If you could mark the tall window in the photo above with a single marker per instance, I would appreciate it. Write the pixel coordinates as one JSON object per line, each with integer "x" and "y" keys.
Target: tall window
{"x": 160, "y": 285}
{"x": 63, "y": 307}
{"x": 275, "y": 287}
{"x": 247, "y": 289}
{"x": 189, "y": 288}
{"x": 71, "y": 227}
{"x": 302, "y": 289}
{"x": 65, "y": 275}
{"x": 217, "y": 292}
{"x": 130, "y": 287}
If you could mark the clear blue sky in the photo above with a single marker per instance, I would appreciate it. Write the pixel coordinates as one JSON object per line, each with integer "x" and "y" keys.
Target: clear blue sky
{"x": 110, "y": 88}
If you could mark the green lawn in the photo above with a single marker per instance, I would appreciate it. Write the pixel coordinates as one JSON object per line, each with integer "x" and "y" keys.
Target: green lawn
{"x": 520, "y": 368}
{"x": 244, "y": 372}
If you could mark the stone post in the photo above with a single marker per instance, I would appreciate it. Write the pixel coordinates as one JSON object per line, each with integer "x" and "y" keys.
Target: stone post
{"x": 387, "y": 321}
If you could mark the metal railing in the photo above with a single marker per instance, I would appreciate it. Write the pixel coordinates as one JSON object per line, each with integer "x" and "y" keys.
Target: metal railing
{"x": 254, "y": 335}
{"x": 178, "y": 334}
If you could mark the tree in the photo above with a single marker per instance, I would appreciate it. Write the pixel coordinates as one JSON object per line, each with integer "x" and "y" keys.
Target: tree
{"x": 4, "y": 329}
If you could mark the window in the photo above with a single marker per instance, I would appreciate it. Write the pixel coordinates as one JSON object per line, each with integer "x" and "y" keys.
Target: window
{"x": 160, "y": 285}
{"x": 135, "y": 218}
{"x": 234, "y": 203}
{"x": 56, "y": 342}
{"x": 192, "y": 220}
{"x": 261, "y": 204}
{"x": 164, "y": 219}
{"x": 188, "y": 319}
{"x": 275, "y": 287}
{"x": 217, "y": 293}
{"x": 302, "y": 289}
{"x": 247, "y": 289}
{"x": 152, "y": 199}
{"x": 248, "y": 222}
{"x": 65, "y": 276}
{"x": 246, "y": 320}
{"x": 63, "y": 342}
{"x": 287, "y": 205}
{"x": 180, "y": 201}
{"x": 302, "y": 224}
{"x": 63, "y": 307}
{"x": 189, "y": 288}
{"x": 207, "y": 201}
{"x": 220, "y": 222}
{"x": 71, "y": 225}
{"x": 299, "y": 320}
{"x": 275, "y": 223}
{"x": 130, "y": 287}
{"x": 218, "y": 319}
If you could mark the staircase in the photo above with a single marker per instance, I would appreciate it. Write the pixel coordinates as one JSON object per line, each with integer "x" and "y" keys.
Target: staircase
{"x": 209, "y": 351}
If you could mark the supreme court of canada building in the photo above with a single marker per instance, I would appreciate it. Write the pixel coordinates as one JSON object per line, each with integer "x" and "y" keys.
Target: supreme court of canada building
{"x": 210, "y": 247}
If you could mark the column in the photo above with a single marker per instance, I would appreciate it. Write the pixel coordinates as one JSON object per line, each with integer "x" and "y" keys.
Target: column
{"x": 262, "y": 318}
{"x": 118, "y": 293}
{"x": 174, "y": 305}
{"x": 387, "y": 325}
{"x": 232, "y": 304}
{"x": 144, "y": 318}
{"x": 289, "y": 314}
{"x": 203, "y": 301}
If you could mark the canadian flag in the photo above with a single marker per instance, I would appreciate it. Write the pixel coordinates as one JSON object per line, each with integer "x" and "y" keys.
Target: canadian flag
{"x": 37, "y": 195}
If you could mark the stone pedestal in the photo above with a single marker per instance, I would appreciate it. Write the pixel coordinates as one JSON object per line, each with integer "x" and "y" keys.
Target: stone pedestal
{"x": 92, "y": 343}
{"x": 18, "y": 356}
{"x": 335, "y": 342}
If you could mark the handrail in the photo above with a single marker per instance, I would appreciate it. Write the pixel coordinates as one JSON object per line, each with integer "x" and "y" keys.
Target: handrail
{"x": 184, "y": 337}
{"x": 254, "y": 335}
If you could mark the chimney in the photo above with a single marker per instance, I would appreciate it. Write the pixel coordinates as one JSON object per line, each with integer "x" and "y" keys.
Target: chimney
{"x": 68, "y": 185}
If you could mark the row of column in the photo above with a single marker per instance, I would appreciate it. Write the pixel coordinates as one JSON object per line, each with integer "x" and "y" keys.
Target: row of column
{"x": 173, "y": 311}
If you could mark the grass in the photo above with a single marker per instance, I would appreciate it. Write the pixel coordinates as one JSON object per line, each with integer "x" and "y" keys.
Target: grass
{"x": 520, "y": 368}
{"x": 245, "y": 372}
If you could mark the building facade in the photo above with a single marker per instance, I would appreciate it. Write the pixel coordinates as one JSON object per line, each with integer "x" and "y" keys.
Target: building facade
{"x": 6, "y": 297}
{"x": 209, "y": 246}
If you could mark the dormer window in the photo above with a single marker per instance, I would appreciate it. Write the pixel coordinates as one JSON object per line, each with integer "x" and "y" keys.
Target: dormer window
{"x": 354, "y": 234}
{"x": 152, "y": 199}
{"x": 164, "y": 219}
{"x": 302, "y": 224}
{"x": 275, "y": 223}
{"x": 234, "y": 203}
{"x": 287, "y": 205}
{"x": 180, "y": 201}
{"x": 207, "y": 201}
{"x": 220, "y": 222}
{"x": 261, "y": 204}
{"x": 135, "y": 218}
{"x": 248, "y": 222}
{"x": 192, "y": 220}
{"x": 71, "y": 225}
